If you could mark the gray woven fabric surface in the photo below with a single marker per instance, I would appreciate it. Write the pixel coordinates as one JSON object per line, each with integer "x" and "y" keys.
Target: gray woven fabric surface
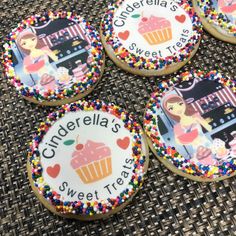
{"x": 166, "y": 205}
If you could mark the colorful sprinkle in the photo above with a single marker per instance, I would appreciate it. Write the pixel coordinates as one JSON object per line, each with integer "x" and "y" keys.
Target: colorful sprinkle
{"x": 169, "y": 153}
{"x": 89, "y": 80}
{"x": 93, "y": 207}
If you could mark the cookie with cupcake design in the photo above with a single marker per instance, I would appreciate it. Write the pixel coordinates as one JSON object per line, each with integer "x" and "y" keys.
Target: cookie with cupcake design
{"x": 190, "y": 122}
{"x": 87, "y": 160}
{"x": 54, "y": 59}
{"x": 151, "y": 37}
{"x": 218, "y": 18}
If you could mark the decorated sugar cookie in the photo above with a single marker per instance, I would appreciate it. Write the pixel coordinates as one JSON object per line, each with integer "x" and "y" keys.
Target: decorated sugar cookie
{"x": 54, "y": 59}
{"x": 151, "y": 37}
{"x": 87, "y": 160}
{"x": 191, "y": 125}
{"x": 218, "y": 18}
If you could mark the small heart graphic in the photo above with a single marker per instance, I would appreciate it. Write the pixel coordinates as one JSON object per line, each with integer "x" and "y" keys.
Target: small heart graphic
{"x": 53, "y": 171}
{"x": 180, "y": 18}
{"x": 123, "y": 35}
{"x": 123, "y": 143}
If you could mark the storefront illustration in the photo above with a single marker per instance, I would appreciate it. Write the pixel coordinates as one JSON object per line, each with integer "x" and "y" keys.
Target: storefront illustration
{"x": 198, "y": 118}
{"x": 52, "y": 55}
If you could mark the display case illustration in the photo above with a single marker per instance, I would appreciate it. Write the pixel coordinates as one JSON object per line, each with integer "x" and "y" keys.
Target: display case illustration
{"x": 198, "y": 118}
{"x": 53, "y": 54}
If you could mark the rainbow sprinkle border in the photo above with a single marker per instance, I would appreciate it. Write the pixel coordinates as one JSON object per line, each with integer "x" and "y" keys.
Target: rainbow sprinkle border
{"x": 94, "y": 207}
{"x": 138, "y": 62}
{"x": 215, "y": 17}
{"x": 169, "y": 153}
{"x": 75, "y": 89}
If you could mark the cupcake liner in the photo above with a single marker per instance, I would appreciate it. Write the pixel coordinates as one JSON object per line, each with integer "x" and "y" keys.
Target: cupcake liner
{"x": 95, "y": 171}
{"x": 158, "y": 36}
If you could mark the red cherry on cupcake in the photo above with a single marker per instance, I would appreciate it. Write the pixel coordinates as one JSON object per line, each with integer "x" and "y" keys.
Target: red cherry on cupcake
{"x": 144, "y": 19}
{"x": 79, "y": 146}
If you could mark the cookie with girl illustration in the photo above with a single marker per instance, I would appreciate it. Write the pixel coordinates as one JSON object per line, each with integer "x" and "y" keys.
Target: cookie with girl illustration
{"x": 54, "y": 60}
{"x": 218, "y": 18}
{"x": 191, "y": 125}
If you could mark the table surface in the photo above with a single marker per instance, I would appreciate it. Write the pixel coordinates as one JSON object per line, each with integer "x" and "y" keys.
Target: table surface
{"x": 167, "y": 204}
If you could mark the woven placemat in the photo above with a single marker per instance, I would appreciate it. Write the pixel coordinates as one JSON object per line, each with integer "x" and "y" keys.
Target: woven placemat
{"x": 166, "y": 205}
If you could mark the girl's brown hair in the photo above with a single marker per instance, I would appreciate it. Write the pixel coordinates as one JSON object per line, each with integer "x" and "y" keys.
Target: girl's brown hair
{"x": 27, "y": 35}
{"x": 174, "y": 98}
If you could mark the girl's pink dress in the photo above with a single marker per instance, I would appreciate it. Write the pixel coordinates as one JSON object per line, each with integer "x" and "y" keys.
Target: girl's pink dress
{"x": 227, "y": 6}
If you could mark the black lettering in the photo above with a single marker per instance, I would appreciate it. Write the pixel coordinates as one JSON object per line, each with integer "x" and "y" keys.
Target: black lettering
{"x": 63, "y": 186}
{"x": 132, "y": 46}
{"x": 125, "y": 174}
{"x": 48, "y": 156}
{"x": 163, "y": 4}
{"x": 186, "y": 31}
{"x": 62, "y": 131}
{"x": 71, "y": 192}
{"x": 77, "y": 122}
{"x": 169, "y": 49}
{"x": 96, "y": 194}
{"x": 98, "y": 119}
{"x": 107, "y": 187}
{"x": 51, "y": 145}
{"x": 81, "y": 196}
{"x": 127, "y": 167}
{"x": 115, "y": 129}
{"x": 104, "y": 122}
{"x": 147, "y": 53}
{"x": 87, "y": 120}
{"x": 120, "y": 181}
{"x": 70, "y": 125}
{"x": 173, "y": 8}
{"x": 53, "y": 141}
{"x": 179, "y": 44}
{"x": 113, "y": 185}
{"x": 183, "y": 40}
{"x": 124, "y": 15}
{"x": 139, "y": 51}
{"x": 136, "y": 5}
{"x": 119, "y": 23}
{"x": 149, "y": 2}
{"x": 129, "y": 8}
{"x": 128, "y": 161}
{"x": 89, "y": 196}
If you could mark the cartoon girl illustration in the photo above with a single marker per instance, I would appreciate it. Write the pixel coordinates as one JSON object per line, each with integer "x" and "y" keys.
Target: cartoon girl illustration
{"x": 36, "y": 60}
{"x": 188, "y": 127}
{"x": 228, "y": 7}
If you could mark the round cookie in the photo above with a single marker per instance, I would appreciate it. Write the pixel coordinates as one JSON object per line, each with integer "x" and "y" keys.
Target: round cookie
{"x": 218, "y": 18}
{"x": 191, "y": 122}
{"x": 87, "y": 160}
{"x": 151, "y": 37}
{"x": 54, "y": 59}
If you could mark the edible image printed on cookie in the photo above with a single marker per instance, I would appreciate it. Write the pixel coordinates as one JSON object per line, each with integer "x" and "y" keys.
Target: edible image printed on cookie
{"x": 90, "y": 156}
{"x": 150, "y": 37}
{"x": 54, "y": 57}
{"x": 191, "y": 123}
{"x": 218, "y": 17}
{"x": 145, "y": 26}
{"x": 228, "y": 7}
{"x": 52, "y": 54}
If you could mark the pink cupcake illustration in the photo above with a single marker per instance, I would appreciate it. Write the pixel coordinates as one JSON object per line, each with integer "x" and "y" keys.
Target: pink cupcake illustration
{"x": 228, "y": 6}
{"x": 204, "y": 156}
{"x": 92, "y": 161}
{"x": 48, "y": 82}
{"x": 155, "y": 30}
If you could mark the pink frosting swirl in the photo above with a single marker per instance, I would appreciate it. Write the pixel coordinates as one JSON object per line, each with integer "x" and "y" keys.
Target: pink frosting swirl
{"x": 232, "y": 144}
{"x": 91, "y": 151}
{"x": 153, "y": 23}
